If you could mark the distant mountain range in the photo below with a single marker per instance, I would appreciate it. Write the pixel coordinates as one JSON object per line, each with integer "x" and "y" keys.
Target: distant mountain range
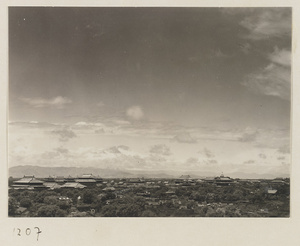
{"x": 42, "y": 172}
{"x": 37, "y": 171}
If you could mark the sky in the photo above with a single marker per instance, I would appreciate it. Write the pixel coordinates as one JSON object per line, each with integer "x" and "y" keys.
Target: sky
{"x": 185, "y": 90}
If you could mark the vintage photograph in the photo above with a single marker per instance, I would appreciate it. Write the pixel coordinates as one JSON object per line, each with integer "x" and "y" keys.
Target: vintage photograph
{"x": 149, "y": 111}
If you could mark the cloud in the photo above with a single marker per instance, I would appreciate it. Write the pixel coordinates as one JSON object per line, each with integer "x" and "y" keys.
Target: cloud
{"x": 218, "y": 53}
{"x": 120, "y": 149}
{"x": 273, "y": 80}
{"x": 33, "y": 124}
{"x": 113, "y": 150}
{"x": 135, "y": 113}
{"x": 211, "y": 162}
{"x": 249, "y": 162}
{"x": 62, "y": 150}
{"x": 195, "y": 163}
{"x": 160, "y": 149}
{"x": 123, "y": 147}
{"x": 184, "y": 138}
{"x": 56, "y": 102}
{"x": 100, "y": 104}
{"x": 207, "y": 153}
{"x": 265, "y": 23}
{"x": 248, "y": 136}
{"x": 281, "y": 57}
{"x": 245, "y": 48}
{"x": 262, "y": 156}
{"x": 100, "y": 131}
{"x": 64, "y": 134}
{"x": 284, "y": 149}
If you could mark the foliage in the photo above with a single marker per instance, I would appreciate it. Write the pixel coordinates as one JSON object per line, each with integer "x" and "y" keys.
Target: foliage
{"x": 88, "y": 196}
{"x": 25, "y": 202}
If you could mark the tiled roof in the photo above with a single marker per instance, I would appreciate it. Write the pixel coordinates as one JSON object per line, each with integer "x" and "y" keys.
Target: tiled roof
{"x": 84, "y": 176}
{"x": 85, "y": 180}
{"x": 73, "y": 185}
{"x": 52, "y": 185}
{"x": 28, "y": 180}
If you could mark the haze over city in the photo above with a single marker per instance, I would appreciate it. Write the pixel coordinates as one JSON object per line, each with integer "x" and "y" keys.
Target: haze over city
{"x": 172, "y": 90}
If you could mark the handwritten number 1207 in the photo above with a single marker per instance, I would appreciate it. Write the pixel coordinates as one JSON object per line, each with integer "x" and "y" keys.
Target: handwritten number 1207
{"x": 28, "y": 232}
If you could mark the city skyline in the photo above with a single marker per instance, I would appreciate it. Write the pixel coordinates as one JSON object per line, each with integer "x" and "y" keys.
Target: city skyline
{"x": 193, "y": 90}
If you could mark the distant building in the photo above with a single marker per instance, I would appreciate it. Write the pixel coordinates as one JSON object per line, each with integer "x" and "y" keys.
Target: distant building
{"x": 86, "y": 179}
{"x": 60, "y": 180}
{"x": 222, "y": 180}
{"x": 28, "y": 182}
{"x": 52, "y": 185}
{"x": 209, "y": 180}
{"x": 50, "y": 179}
{"x": 185, "y": 177}
{"x": 70, "y": 179}
{"x": 73, "y": 185}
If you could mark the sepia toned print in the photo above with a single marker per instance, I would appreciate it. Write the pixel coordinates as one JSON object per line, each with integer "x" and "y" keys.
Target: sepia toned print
{"x": 149, "y": 112}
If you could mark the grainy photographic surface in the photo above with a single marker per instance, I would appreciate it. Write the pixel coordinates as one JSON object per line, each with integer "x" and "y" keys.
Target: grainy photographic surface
{"x": 149, "y": 112}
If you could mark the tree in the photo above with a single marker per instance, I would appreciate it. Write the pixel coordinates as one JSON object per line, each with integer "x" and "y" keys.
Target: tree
{"x": 25, "y": 202}
{"x": 12, "y": 206}
{"x": 47, "y": 211}
{"x": 50, "y": 200}
{"x": 88, "y": 197}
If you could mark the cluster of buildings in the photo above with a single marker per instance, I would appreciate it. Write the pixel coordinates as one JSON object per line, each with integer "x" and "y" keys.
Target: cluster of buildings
{"x": 88, "y": 180}
{"x": 30, "y": 182}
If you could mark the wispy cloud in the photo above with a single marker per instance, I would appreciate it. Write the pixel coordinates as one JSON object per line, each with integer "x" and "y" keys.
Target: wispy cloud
{"x": 205, "y": 164}
{"x": 281, "y": 57}
{"x": 265, "y": 23}
{"x": 135, "y": 113}
{"x": 285, "y": 149}
{"x": 100, "y": 104}
{"x": 57, "y": 153}
{"x": 56, "y": 102}
{"x": 250, "y": 135}
{"x": 275, "y": 78}
{"x": 249, "y": 162}
{"x": 262, "y": 156}
{"x": 207, "y": 153}
{"x": 32, "y": 124}
{"x": 64, "y": 134}
{"x": 184, "y": 137}
{"x": 245, "y": 48}
{"x": 160, "y": 149}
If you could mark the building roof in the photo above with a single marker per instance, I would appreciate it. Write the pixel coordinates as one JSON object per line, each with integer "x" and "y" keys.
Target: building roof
{"x": 28, "y": 180}
{"x": 73, "y": 185}
{"x": 87, "y": 176}
{"x": 209, "y": 179}
{"x": 272, "y": 191}
{"x": 225, "y": 179}
{"x": 17, "y": 187}
{"x": 109, "y": 188}
{"x": 85, "y": 180}
{"x": 185, "y": 177}
{"x": 52, "y": 185}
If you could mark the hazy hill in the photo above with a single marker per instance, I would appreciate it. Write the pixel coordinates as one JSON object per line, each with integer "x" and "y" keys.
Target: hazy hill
{"x": 20, "y": 171}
